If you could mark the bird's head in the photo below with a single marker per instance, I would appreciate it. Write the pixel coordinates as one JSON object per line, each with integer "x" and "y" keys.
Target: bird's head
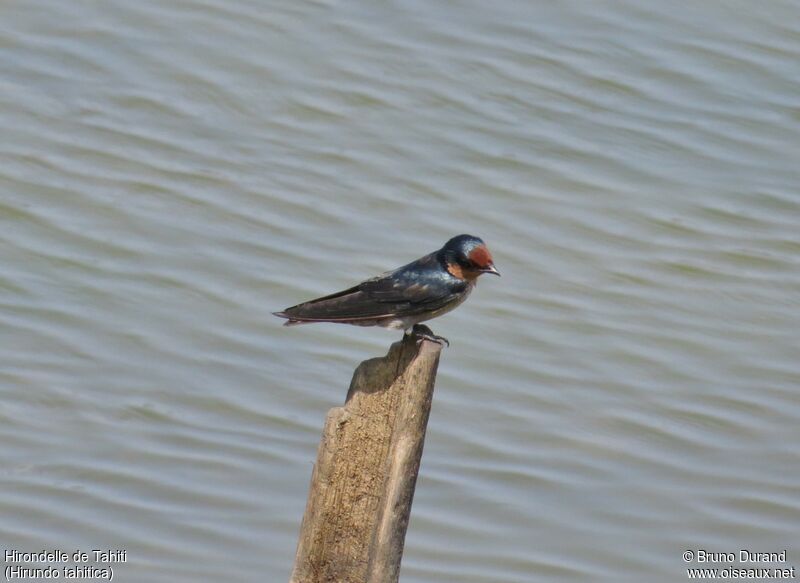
{"x": 467, "y": 257}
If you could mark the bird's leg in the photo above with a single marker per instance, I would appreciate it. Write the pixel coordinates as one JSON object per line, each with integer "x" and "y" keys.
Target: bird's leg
{"x": 422, "y": 332}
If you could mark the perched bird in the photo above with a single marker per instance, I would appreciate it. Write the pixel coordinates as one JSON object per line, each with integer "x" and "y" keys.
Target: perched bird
{"x": 401, "y": 299}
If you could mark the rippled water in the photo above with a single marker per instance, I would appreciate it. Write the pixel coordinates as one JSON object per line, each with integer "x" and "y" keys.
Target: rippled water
{"x": 170, "y": 173}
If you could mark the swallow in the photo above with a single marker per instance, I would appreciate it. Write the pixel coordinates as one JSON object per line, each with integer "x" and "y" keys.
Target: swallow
{"x": 401, "y": 299}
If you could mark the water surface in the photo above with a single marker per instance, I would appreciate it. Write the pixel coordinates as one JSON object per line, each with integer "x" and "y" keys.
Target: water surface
{"x": 171, "y": 173}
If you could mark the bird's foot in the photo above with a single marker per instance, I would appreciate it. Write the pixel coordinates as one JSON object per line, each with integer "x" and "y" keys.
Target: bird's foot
{"x": 422, "y": 332}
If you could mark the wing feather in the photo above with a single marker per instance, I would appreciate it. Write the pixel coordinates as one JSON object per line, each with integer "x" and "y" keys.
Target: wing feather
{"x": 412, "y": 289}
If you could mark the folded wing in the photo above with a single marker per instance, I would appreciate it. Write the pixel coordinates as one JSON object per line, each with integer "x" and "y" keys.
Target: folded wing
{"x": 410, "y": 290}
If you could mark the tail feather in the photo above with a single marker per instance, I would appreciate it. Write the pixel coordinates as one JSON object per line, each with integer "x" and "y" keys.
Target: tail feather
{"x": 290, "y": 321}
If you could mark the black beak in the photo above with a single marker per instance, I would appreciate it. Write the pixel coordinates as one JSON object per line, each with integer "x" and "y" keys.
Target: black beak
{"x": 491, "y": 269}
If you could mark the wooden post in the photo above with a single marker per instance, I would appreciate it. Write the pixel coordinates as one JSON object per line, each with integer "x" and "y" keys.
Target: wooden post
{"x": 367, "y": 463}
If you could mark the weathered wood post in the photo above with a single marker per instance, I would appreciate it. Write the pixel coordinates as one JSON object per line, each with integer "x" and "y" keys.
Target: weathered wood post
{"x": 363, "y": 482}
